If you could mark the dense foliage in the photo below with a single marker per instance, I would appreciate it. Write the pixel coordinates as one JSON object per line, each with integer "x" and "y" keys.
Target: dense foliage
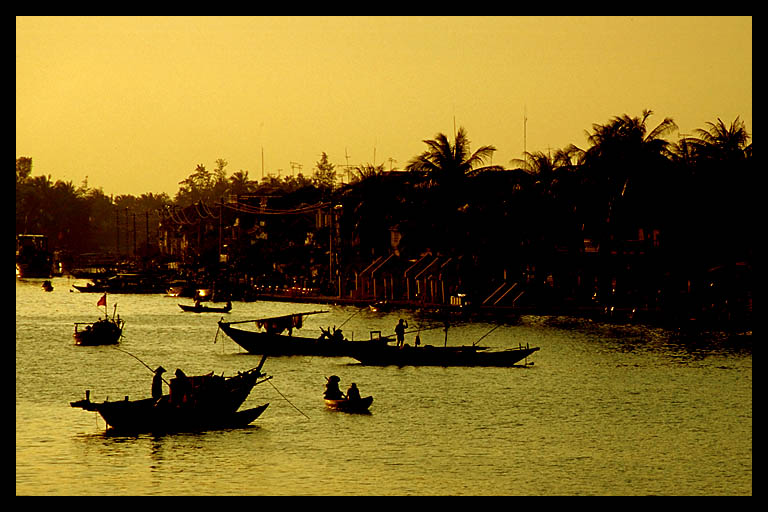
{"x": 630, "y": 182}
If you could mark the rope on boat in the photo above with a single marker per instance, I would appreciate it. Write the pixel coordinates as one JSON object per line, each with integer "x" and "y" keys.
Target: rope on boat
{"x": 286, "y": 399}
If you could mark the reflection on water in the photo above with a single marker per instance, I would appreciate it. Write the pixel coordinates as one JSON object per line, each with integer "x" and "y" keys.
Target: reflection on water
{"x": 605, "y": 409}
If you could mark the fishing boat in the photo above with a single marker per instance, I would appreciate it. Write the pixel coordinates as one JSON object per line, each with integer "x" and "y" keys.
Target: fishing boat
{"x": 199, "y": 308}
{"x": 347, "y": 405}
{"x": 271, "y": 340}
{"x": 204, "y": 402}
{"x": 105, "y": 331}
{"x": 428, "y": 355}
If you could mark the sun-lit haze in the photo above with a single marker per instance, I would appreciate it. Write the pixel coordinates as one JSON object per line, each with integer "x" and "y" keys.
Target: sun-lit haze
{"x": 136, "y": 103}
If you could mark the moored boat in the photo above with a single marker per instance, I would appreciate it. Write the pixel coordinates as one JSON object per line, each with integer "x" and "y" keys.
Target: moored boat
{"x": 196, "y": 403}
{"x": 272, "y": 341}
{"x": 105, "y": 331}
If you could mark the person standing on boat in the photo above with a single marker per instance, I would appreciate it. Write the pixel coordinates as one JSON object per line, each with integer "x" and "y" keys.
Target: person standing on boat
{"x": 400, "y": 332}
{"x": 353, "y": 393}
{"x": 157, "y": 383}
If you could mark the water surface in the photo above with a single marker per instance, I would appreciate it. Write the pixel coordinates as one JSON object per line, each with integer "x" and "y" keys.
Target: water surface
{"x": 605, "y": 410}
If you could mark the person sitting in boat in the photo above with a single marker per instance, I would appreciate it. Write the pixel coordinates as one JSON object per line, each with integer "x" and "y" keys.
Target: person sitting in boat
{"x": 353, "y": 393}
{"x": 337, "y": 334}
{"x": 157, "y": 383}
{"x": 332, "y": 391}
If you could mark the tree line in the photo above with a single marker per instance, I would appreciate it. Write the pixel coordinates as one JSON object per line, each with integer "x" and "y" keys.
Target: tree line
{"x": 629, "y": 182}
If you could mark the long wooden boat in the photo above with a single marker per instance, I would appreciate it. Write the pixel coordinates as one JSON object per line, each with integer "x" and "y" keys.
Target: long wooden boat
{"x": 199, "y": 308}
{"x": 428, "y": 355}
{"x": 358, "y": 406}
{"x": 271, "y": 340}
{"x": 206, "y": 402}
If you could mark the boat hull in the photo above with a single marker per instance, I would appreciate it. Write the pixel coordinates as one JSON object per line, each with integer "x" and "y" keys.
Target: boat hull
{"x": 204, "y": 309}
{"x": 354, "y": 406}
{"x": 103, "y": 332}
{"x": 263, "y": 343}
{"x": 211, "y": 402}
{"x": 157, "y": 416}
{"x": 441, "y": 356}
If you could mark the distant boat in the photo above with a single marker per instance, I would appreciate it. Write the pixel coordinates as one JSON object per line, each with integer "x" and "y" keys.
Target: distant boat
{"x": 106, "y": 331}
{"x": 47, "y": 286}
{"x": 199, "y": 308}
{"x": 204, "y": 402}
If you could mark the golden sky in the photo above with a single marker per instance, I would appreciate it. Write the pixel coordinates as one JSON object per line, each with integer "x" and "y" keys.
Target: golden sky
{"x": 136, "y": 103}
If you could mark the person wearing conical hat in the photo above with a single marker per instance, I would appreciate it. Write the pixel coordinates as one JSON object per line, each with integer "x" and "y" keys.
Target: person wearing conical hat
{"x": 157, "y": 383}
{"x": 332, "y": 391}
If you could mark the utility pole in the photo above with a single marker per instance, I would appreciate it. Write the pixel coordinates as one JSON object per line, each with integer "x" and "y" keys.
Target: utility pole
{"x": 349, "y": 174}
{"x": 525, "y": 130}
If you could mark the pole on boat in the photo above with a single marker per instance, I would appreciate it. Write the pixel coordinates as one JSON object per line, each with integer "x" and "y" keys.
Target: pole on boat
{"x": 142, "y": 362}
{"x": 486, "y": 334}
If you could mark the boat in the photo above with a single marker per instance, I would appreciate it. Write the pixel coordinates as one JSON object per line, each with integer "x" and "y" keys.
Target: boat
{"x": 90, "y": 287}
{"x": 47, "y": 286}
{"x": 271, "y": 340}
{"x": 428, "y": 355}
{"x": 206, "y": 402}
{"x": 199, "y": 308}
{"x": 358, "y": 406}
{"x": 105, "y": 331}
{"x": 133, "y": 282}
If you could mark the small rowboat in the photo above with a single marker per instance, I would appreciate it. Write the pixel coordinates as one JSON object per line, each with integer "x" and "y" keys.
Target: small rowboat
{"x": 206, "y": 309}
{"x": 346, "y": 405}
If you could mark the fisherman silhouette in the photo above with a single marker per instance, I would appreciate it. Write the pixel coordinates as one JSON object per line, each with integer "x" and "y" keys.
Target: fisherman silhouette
{"x": 353, "y": 393}
{"x": 332, "y": 391}
{"x": 157, "y": 382}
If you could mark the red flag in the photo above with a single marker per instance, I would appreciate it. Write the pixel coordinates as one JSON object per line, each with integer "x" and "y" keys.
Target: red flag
{"x": 102, "y": 301}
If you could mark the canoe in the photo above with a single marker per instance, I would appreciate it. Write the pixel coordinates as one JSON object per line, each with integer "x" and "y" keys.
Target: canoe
{"x": 347, "y": 405}
{"x": 208, "y": 402}
{"x": 428, "y": 355}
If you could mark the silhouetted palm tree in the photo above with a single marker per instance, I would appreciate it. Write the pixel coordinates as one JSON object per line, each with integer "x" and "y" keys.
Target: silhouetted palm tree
{"x": 625, "y": 164}
{"x": 721, "y": 142}
{"x": 447, "y": 164}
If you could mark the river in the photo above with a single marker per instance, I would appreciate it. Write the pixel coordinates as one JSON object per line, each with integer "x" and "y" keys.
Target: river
{"x": 604, "y": 409}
